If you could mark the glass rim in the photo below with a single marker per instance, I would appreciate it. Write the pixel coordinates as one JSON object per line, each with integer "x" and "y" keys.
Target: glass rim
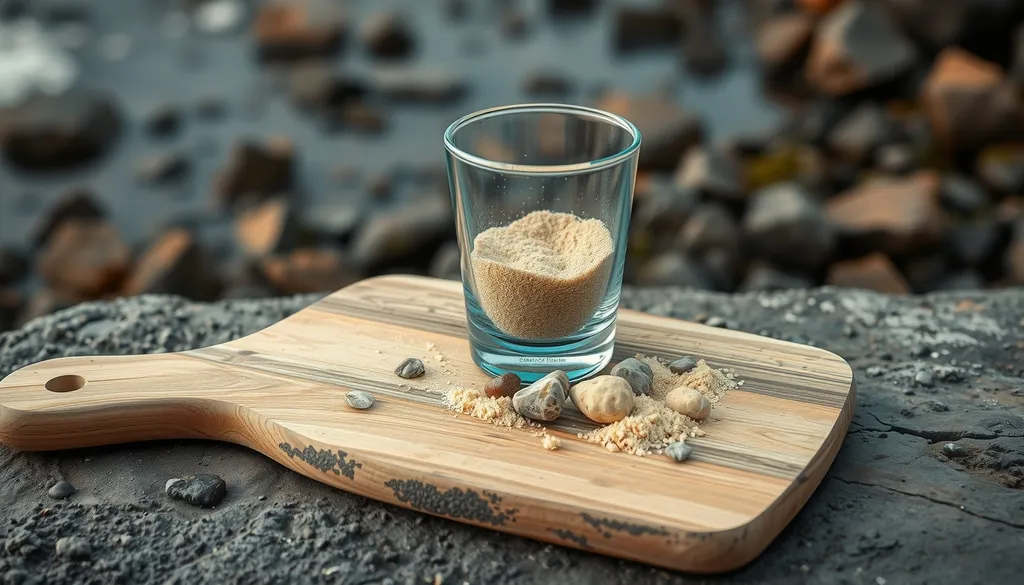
{"x": 554, "y": 108}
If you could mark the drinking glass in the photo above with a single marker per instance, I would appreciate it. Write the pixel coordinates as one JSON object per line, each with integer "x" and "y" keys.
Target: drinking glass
{"x": 507, "y": 162}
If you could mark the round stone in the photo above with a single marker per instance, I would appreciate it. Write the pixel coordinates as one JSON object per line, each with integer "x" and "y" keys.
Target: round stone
{"x": 410, "y": 368}
{"x": 61, "y": 490}
{"x": 679, "y": 451}
{"x": 360, "y": 399}
{"x": 504, "y": 385}
{"x": 954, "y": 450}
{"x": 604, "y": 399}
{"x": 544, "y": 399}
{"x": 689, "y": 402}
{"x": 636, "y": 373}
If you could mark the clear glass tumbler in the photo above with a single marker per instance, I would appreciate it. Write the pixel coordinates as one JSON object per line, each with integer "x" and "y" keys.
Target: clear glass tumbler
{"x": 542, "y": 196}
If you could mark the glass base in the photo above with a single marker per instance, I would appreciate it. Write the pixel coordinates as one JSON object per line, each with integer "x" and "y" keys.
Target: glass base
{"x": 578, "y": 358}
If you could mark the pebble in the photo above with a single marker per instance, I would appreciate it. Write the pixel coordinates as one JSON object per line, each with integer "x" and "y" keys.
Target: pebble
{"x": 360, "y": 399}
{"x": 410, "y": 368}
{"x": 679, "y": 451}
{"x": 73, "y": 547}
{"x": 637, "y": 373}
{"x": 715, "y": 322}
{"x": 504, "y": 385}
{"x": 683, "y": 365}
{"x": 544, "y": 399}
{"x": 924, "y": 378}
{"x": 689, "y": 402}
{"x": 604, "y": 399}
{"x": 954, "y": 450}
{"x": 61, "y": 490}
{"x": 204, "y": 490}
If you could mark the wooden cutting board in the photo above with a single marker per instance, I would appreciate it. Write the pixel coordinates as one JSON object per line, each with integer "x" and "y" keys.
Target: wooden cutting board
{"x": 281, "y": 391}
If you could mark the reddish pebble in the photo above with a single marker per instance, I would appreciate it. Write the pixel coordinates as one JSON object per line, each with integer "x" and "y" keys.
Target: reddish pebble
{"x": 503, "y": 385}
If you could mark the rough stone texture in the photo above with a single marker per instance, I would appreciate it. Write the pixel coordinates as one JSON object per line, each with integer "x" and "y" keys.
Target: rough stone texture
{"x": 892, "y": 508}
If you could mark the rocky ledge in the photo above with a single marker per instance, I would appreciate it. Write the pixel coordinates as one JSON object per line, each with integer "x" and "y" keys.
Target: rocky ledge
{"x": 926, "y": 489}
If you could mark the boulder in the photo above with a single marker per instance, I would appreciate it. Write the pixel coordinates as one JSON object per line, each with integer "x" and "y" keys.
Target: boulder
{"x": 873, "y": 272}
{"x": 84, "y": 257}
{"x": 668, "y": 130}
{"x": 177, "y": 264}
{"x": 788, "y": 227}
{"x": 294, "y": 30}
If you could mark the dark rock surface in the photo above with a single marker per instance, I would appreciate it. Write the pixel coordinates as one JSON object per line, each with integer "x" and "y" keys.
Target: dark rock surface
{"x": 894, "y": 507}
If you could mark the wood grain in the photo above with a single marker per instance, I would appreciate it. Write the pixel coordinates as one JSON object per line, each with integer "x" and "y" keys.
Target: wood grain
{"x": 281, "y": 391}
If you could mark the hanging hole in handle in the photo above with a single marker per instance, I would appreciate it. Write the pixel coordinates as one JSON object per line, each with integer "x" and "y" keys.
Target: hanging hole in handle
{"x": 65, "y": 383}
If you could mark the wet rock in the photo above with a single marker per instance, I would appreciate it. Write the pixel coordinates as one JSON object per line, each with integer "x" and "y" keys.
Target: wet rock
{"x": 924, "y": 378}
{"x": 894, "y": 215}
{"x": 955, "y": 450}
{"x": 688, "y": 402}
{"x": 764, "y": 277}
{"x": 410, "y": 368}
{"x": 660, "y": 209}
{"x": 287, "y": 30}
{"x": 782, "y": 41}
{"x": 668, "y": 129}
{"x": 504, "y": 385}
{"x": 164, "y": 168}
{"x": 856, "y": 47}
{"x": 359, "y": 399}
{"x": 712, "y": 236}
{"x": 418, "y": 84}
{"x": 548, "y": 83}
{"x": 61, "y": 490}
{"x": 85, "y": 257}
{"x": 388, "y": 35}
{"x": 413, "y": 230}
{"x": 256, "y": 170}
{"x": 176, "y": 264}
{"x": 674, "y": 269}
{"x": 59, "y": 132}
{"x": 646, "y": 27}
{"x": 712, "y": 171}
{"x": 788, "y": 227}
{"x": 603, "y": 399}
{"x": 679, "y": 451}
{"x": 969, "y": 102}
{"x": 896, "y": 159}
{"x": 1001, "y": 168}
{"x": 682, "y": 365}
{"x": 13, "y": 266}
{"x": 543, "y": 400}
{"x": 204, "y": 490}
{"x": 447, "y": 262}
{"x": 308, "y": 270}
{"x": 268, "y": 228}
{"x": 858, "y": 136}
{"x": 636, "y": 373}
{"x": 163, "y": 121}
{"x": 73, "y": 547}
{"x": 873, "y": 272}
{"x": 962, "y": 194}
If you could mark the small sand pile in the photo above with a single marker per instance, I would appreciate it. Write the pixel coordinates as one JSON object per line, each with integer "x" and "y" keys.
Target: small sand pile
{"x": 497, "y": 411}
{"x": 542, "y": 276}
{"x": 652, "y": 426}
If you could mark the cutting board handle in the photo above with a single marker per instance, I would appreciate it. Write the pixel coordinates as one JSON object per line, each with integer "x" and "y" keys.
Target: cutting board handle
{"x": 74, "y": 402}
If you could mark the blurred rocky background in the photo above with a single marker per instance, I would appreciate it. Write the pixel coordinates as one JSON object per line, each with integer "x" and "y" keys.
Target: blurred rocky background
{"x": 225, "y": 148}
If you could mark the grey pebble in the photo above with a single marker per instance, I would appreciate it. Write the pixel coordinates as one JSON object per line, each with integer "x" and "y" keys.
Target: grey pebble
{"x": 924, "y": 378}
{"x": 715, "y": 322}
{"x": 61, "y": 490}
{"x": 360, "y": 399}
{"x": 544, "y": 399}
{"x": 73, "y": 547}
{"x": 679, "y": 451}
{"x": 410, "y": 368}
{"x": 637, "y": 373}
{"x": 683, "y": 365}
{"x": 955, "y": 450}
{"x": 204, "y": 490}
